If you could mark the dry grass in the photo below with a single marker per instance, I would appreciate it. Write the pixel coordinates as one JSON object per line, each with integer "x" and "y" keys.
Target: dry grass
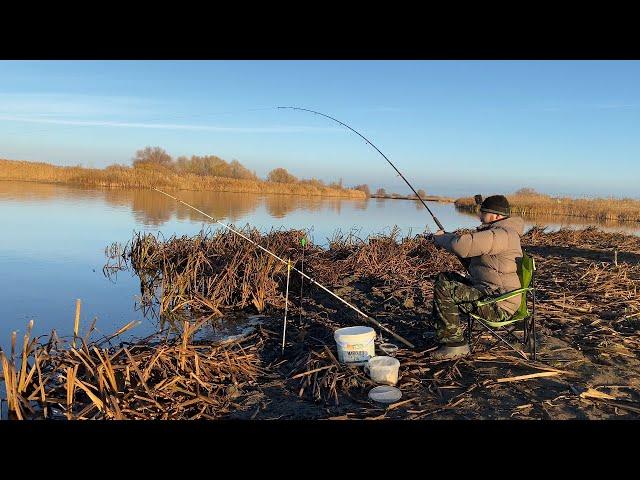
{"x": 147, "y": 176}
{"x": 170, "y": 379}
{"x": 533, "y": 204}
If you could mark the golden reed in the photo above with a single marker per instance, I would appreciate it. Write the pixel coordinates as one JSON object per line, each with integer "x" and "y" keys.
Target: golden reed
{"x": 120, "y": 176}
{"x": 532, "y": 204}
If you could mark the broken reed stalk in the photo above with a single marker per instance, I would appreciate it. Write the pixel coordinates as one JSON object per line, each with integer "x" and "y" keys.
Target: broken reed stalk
{"x": 529, "y": 376}
{"x": 76, "y": 323}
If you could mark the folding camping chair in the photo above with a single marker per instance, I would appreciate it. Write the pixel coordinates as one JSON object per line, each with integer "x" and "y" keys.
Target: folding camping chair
{"x": 526, "y": 273}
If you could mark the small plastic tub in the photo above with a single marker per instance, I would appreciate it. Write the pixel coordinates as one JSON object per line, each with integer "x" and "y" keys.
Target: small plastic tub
{"x": 383, "y": 370}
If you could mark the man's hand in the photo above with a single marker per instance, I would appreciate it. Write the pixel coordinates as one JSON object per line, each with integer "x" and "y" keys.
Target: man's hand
{"x": 440, "y": 232}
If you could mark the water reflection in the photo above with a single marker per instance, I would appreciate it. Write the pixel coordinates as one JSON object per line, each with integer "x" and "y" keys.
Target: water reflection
{"x": 153, "y": 209}
{"x": 54, "y": 238}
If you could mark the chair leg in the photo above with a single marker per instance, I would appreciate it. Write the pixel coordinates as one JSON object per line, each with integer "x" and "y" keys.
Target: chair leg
{"x": 499, "y": 337}
{"x": 509, "y": 332}
{"x": 533, "y": 319}
{"x": 532, "y": 340}
{"x": 529, "y": 339}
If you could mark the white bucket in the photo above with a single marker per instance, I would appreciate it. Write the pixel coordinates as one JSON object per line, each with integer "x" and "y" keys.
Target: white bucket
{"x": 383, "y": 369}
{"x": 355, "y": 344}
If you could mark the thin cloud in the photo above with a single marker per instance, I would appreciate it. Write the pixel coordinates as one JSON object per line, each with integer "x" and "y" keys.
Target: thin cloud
{"x": 172, "y": 126}
{"x": 380, "y": 109}
{"x": 62, "y": 104}
{"x": 610, "y": 106}
{"x": 589, "y": 106}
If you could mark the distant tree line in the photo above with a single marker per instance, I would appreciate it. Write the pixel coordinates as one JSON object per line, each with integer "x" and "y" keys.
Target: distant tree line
{"x": 210, "y": 165}
{"x": 381, "y": 192}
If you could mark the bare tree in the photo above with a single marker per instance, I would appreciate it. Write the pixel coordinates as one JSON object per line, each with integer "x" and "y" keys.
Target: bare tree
{"x": 152, "y": 155}
{"x": 526, "y": 191}
{"x": 363, "y": 188}
{"x": 240, "y": 171}
{"x": 280, "y": 175}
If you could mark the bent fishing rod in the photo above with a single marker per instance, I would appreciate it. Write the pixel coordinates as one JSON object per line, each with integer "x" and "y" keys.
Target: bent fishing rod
{"x": 304, "y": 275}
{"x": 378, "y": 150}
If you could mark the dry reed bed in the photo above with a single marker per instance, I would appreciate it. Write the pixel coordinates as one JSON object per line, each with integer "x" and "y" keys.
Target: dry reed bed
{"x": 587, "y": 238}
{"x": 216, "y": 271}
{"x": 149, "y": 177}
{"x": 531, "y": 205}
{"x": 588, "y": 310}
{"x": 171, "y": 379}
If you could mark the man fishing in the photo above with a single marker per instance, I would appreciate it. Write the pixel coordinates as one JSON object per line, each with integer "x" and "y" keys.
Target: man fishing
{"x": 489, "y": 254}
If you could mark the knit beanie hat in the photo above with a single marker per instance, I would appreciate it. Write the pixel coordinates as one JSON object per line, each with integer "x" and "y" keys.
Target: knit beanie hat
{"x": 496, "y": 204}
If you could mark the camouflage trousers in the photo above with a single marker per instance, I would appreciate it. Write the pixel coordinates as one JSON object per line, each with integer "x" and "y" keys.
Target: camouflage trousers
{"x": 454, "y": 298}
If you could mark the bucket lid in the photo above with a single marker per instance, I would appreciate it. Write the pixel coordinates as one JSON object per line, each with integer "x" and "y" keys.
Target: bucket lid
{"x": 346, "y": 333}
{"x": 385, "y": 394}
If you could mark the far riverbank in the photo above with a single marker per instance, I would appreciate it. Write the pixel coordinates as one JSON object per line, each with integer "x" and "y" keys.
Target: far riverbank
{"x": 147, "y": 176}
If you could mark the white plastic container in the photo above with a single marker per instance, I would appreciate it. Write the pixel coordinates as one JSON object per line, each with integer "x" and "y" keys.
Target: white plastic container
{"x": 355, "y": 344}
{"x": 383, "y": 369}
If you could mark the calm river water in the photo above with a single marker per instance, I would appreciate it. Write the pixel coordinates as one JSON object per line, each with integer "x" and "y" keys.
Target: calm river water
{"x": 52, "y": 247}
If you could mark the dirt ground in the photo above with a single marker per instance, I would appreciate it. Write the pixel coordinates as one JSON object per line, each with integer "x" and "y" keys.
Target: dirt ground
{"x": 588, "y": 343}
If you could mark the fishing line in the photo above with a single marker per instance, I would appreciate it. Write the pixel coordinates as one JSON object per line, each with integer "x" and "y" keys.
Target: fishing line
{"x": 304, "y": 275}
{"x": 378, "y": 150}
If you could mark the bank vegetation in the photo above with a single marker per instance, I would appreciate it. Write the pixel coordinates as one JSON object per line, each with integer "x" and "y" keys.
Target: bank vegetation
{"x": 527, "y": 201}
{"x": 153, "y": 167}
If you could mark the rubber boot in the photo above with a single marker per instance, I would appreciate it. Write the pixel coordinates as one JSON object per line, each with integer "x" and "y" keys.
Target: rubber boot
{"x": 450, "y": 352}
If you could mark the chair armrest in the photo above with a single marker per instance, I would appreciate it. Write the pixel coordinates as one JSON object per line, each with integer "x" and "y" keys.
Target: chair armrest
{"x": 504, "y": 296}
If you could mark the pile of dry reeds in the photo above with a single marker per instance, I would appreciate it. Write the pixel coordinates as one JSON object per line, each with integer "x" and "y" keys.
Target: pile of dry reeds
{"x": 208, "y": 272}
{"x": 323, "y": 378}
{"x": 587, "y": 238}
{"x": 219, "y": 270}
{"x": 170, "y": 379}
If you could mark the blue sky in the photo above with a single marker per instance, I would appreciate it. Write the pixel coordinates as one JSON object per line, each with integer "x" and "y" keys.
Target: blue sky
{"x": 452, "y": 127}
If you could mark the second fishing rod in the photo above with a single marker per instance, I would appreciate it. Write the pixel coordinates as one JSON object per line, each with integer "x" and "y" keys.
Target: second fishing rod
{"x": 304, "y": 275}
